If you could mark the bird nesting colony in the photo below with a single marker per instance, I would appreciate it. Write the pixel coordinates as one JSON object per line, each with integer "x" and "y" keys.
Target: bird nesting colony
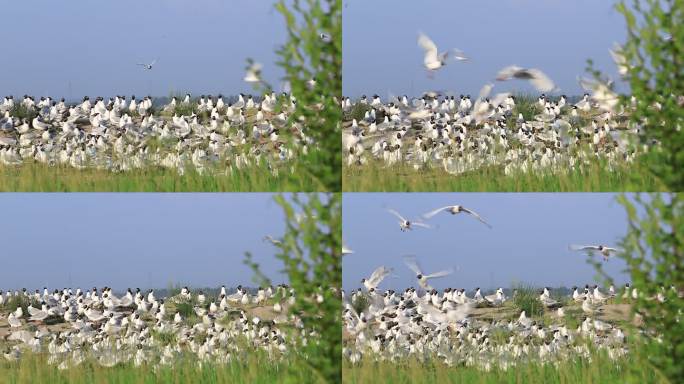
{"x": 484, "y": 331}
{"x": 71, "y": 327}
{"x": 209, "y": 135}
{"x": 552, "y": 136}
{"x": 461, "y": 134}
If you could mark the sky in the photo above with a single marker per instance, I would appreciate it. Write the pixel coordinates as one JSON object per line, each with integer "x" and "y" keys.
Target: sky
{"x": 144, "y": 240}
{"x": 528, "y": 242}
{"x": 381, "y": 54}
{"x": 81, "y": 47}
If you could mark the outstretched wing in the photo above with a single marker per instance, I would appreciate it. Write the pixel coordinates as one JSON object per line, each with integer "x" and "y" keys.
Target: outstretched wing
{"x": 540, "y": 80}
{"x": 583, "y": 247}
{"x": 395, "y": 213}
{"x": 435, "y": 275}
{"x": 411, "y": 262}
{"x": 436, "y": 211}
{"x": 508, "y": 72}
{"x": 428, "y": 46}
{"x": 378, "y": 275}
{"x": 475, "y": 215}
{"x": 420, "y": 224}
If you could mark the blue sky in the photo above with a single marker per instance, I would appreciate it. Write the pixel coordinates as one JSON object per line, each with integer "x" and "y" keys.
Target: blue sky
{"x": 141, "y": 240}
{"x": 81, "y": 47}
{"x": 528, "y": 243}
{"x": 381, "y": 54}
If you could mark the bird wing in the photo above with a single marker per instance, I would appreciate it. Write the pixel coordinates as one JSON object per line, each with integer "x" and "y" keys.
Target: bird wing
{"x": 395, "y": 213}
{"x": 499, "y": 98}
{"x": 475, "y": 215}
{"x": 420, "y": 224}
{"x": 433, "y": 312}
{"x": 428, "y": 46}
{"x": 583, "y": 247}
{"x": 153, "y": 62}
{"x": 378, "y": 275}
{"x": 460, "y": 313}
{"x": 486, "y": 90}
{"x": 540, "y": 80}
{"x": 436, "y": 211}
{"x": 459, "y": 55}
{"x": 435, "y": 275}
{"x": 610, "y": 249}
{"x": 411, "y": 262}
{"x": 508, "y": 72}
{"x": 619, "y": 58}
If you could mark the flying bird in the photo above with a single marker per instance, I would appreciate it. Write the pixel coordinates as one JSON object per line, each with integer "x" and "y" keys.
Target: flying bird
{"x": 407, "y": 225}
{"x": 602, "y": 249}
{"x": 148, "y": 66}
{"x": 272, "y": 240}
{"x": 422, "y": 277}
{"x": 456, "y": 209}
{"x": 604, "y": 97}
{"x": 619, "y": 59}
{"x": 536, "y": 77}
{"x": 433, "y": 59}
{"x": 376, "y": 278}
{"x": 253, "y": 73}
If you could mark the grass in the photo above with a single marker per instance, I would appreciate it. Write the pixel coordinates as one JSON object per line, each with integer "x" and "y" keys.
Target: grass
{"x": 527, "y": 299}
{"x": 251, "y": 368}
{"x": 357, "y": 112}
{"x": 14, "y": 302}
{"x": 21, "y": 112}
{"x": 36, "y": 177}
{"x": 374, "y": 177}
{"x": 601, "y": 369}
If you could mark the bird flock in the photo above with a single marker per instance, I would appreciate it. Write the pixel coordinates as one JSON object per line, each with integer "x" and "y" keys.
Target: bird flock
{"x": 72, "y": 326}
{"x": 477, "y": 329}
{"x": 464, "y": 134}
{"x": 207, "y": 134}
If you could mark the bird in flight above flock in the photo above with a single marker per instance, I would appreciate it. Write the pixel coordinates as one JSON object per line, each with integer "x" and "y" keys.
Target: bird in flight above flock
{"x": 148, "y": 67}
{"x": 456, "y": 209}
